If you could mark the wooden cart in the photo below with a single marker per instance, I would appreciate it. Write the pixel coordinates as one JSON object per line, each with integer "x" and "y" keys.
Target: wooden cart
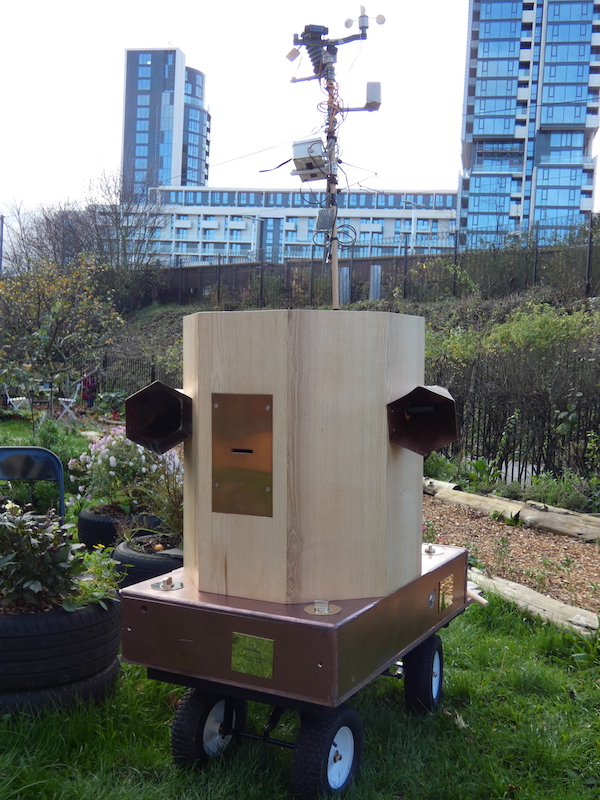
{"x": 304, "y": 575}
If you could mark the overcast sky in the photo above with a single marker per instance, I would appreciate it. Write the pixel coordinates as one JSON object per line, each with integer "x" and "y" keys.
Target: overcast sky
{"x": 62, "y": 66}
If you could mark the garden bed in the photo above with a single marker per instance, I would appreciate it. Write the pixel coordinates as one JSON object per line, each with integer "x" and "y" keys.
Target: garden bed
{"x": 555, "y": 565}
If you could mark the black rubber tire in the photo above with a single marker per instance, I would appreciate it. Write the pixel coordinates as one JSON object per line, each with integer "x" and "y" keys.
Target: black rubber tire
{"x": 57, "y": 647}
{"x": 135, "y": 566}
{"x": 195, "y": 734}
{"x": 423, "y": 671}
{"x": 95, "y": 688}
{"x": 327, "y": 753}
{"x": 94, "y": 529}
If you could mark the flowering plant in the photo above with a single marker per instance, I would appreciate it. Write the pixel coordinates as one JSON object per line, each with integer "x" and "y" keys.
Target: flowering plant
{"x": 121, "y": 475}
{"x": 112, "y": 471}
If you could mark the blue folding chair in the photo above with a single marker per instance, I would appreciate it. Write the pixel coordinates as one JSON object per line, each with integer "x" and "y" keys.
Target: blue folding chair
{"x": 33, "y": 464}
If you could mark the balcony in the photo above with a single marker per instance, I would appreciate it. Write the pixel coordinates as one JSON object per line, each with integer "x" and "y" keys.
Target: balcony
{"x": 591, "y": 121}
{"x": 586, "y": 204}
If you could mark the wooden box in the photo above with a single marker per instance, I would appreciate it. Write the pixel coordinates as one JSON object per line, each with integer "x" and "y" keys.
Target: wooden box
{"x": 293, "y": 492}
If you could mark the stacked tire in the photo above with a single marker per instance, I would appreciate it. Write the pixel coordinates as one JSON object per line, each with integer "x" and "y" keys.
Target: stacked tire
{"x": 101, "y": 529}
{"x": 58, "y": 658}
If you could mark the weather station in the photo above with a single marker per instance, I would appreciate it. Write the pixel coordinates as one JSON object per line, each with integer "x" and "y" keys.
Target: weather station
{"x": 305, "y": 576}
{"x": 315, "y": 160}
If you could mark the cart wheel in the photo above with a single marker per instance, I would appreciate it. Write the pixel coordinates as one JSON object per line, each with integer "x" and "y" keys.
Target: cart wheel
{"x": 327, "y": 753}
{"x": 423, "y": 675}
{"x": 198, "y": 732}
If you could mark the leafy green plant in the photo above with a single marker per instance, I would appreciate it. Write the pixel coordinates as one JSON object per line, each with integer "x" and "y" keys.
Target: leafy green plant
{"x": 97, "y": 582}
{"x": 110, "y": 401}
{"x": 501, "y": 554}
{"x": 438, "y": 467}
{"x": 41, "y": 568}
{"x": 512, "y": 519}
{"x": 567, "y": 490}
{"x": 481, "y": 475}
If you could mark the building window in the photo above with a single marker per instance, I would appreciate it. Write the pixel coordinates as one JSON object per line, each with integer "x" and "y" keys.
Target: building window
{"x": 143, "y": 100}
{"x": 143, "y": 72}
{"x": 143, "y": 84}
{"x": 144, "y": 58}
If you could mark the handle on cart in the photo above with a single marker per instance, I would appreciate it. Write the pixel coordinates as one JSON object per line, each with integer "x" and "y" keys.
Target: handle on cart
{"x": 477, "y": 598}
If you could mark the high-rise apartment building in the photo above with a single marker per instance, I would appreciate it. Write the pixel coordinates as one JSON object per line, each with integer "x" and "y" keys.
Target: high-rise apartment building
{"x": 529, "y": 119}
{"x": 166, "y": 125}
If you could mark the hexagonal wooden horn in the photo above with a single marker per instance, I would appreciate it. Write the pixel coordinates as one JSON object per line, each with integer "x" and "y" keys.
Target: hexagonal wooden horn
{"x": 158, "y": 417}
{"x": 423, "y": 420}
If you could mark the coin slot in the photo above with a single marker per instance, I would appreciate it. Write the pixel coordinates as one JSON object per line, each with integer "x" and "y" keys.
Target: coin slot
{"x": 241, "y": 450}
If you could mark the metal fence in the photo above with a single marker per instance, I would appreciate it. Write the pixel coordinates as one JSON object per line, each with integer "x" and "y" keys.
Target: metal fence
{"x": 127, "y": 375}
{"x": 572, "y": 266}
{"x": 519, "y": 432}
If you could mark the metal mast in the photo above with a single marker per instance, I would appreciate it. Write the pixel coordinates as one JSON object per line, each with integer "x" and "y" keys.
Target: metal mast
{"x": 323, "y": 55}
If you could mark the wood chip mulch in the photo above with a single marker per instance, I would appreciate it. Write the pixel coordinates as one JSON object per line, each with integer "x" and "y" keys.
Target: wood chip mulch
{"x": 558, "y": 566}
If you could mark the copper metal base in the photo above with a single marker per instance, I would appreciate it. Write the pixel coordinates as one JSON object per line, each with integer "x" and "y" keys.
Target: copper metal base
{"x": 281, "y": 651}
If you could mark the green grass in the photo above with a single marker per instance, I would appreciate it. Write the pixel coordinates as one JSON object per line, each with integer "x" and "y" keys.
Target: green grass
{"x": 519, "y": 719}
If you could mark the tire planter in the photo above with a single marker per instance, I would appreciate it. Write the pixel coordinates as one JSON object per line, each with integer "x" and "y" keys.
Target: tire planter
{"x": 57, "y": 657}
{"x": 94, "y": 529}
{"x": 135, "y": 566}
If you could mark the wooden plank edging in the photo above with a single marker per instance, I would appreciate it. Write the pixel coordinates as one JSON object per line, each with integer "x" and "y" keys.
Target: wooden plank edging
{"x": 547, "y": 608}
{"x": 585, "y": 527}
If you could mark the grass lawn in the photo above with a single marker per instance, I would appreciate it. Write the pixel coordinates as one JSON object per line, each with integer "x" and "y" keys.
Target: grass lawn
{"x": 519, "y": 719}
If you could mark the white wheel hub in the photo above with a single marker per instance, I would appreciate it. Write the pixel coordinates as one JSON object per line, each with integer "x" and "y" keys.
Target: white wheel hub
{"x": 212, "y": 738}
{"x": 436, "y": 675}
{"x": 341, "y": 756}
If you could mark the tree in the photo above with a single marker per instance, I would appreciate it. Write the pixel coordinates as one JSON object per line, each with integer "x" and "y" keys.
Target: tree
{"x": 55, "y": 325}
{"x": 111, "y": 227}
{"x": 124, "y": 230}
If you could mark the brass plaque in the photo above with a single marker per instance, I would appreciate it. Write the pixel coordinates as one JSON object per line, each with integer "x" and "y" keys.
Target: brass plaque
{"x": 242, "y": 454}
{"x": 252, "y": 655}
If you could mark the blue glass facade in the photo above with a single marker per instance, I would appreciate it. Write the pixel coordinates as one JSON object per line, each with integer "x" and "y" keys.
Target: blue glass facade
{"x": 530, "y": 116}
{"x": 166, "y": 127}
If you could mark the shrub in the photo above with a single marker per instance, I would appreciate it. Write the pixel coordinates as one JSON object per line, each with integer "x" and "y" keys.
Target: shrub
{"x": 565, "y": 491}
{"x": 41, "y": 568}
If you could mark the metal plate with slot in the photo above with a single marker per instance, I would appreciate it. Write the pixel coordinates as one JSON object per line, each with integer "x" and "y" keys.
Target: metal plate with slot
{"x": 242, "y": 454}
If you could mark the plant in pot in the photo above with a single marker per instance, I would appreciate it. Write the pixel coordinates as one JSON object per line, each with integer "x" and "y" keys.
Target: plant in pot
{"x": 108, "y": 477}
{"x": 111, "y": 401}
{"x": 156, "y": 548}
{"x": 59, "y": 616}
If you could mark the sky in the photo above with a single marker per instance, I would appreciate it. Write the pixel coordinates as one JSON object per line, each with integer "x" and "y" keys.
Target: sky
{"x": 63, "y": 62}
